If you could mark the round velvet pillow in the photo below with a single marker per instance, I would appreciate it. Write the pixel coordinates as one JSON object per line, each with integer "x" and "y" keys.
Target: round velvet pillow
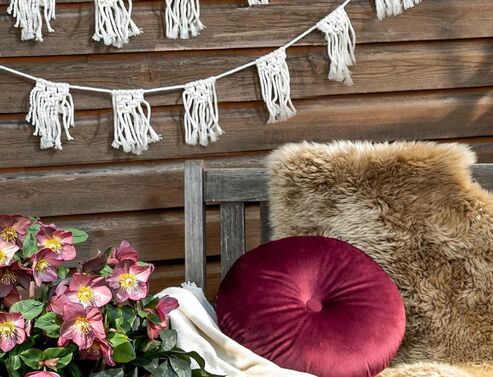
{"x": 315, "y": 305}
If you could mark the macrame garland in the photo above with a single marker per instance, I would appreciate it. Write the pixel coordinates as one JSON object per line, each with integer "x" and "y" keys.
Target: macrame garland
{"x": 201, "y": 113}
{"x": 393, "y": 7}
{"x": 51, "y": 107}
{"x": 275, "y": 85}
{"x": 341, "y": 44}
{"x": 29, "y": 18}
{"x": 114, "y": 25}
{"x": 183, "y": 19}
{"x": 258, "y": 2}
{"x": 132, "y": 122}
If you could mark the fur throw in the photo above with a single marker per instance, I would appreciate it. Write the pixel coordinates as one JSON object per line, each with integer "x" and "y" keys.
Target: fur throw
{"x": 414, "y": 208}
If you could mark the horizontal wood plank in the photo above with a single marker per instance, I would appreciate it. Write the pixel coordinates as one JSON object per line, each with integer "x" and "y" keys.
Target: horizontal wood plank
{"x": 380, "y": 68}
{"x": 172, "y": 276}
{"x": 422, "y": 115}
{"x": 235, "y": 185}
{"x": 232, "y": 26}
{"x": 157, "y": 235}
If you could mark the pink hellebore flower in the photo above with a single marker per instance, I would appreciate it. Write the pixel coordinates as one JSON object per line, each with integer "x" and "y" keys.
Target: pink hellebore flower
{"x": 42, "y": 373}
{"x": 11, "y": 276}
{"x": 12, "y": 330}
{"x": 13, "y": 228}
{"x": 59, "y": 299}
{"x": 121, "y": 253}
{"x": 45, "y": 265}
{"x": 89, "y": 290}
{"x": 130, "y": 281}
{"x": 13, "y": 297}
{"x": 7, "y": 252}
{"x": 81, "y": 325}
{"x": 165, "y": 306}
{"x": 59, "y": 242}
{"x": 100, "y": 348}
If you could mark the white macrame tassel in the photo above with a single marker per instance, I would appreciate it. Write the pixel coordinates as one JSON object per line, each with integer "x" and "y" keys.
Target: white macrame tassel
{"x": 183, "y": 19}
{"x": 114, "y": 25}
{"x": 132, "y": 121}
{"x": 50, "y": 107}
{"x": 258, "y": 2}
{"x": 275, "y": 84}
{"x": 393, "y": 7}
{"x": 341, "y": 44}
{"x": 201, "y": 113}
{"x": 29, "y": 18}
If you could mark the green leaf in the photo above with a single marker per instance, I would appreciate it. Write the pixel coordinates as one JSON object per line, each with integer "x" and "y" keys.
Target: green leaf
{"x": 30, "y": 244}
{"x": 164, "y": 370}
{"x": 78, "y": 236}
{"x": 63, "y": 354}
{"x": 106, "y": 271}
{"x": 181, "y": 367}
{"x": 123, "y": 351}
{"x": 118, "y": 372}
{"x": 73, "y": 370}
{"x": 30, "y": 309}
{"x": 63, "y": 272}
{"x": 32, "y": 357}
{"x": 169, "y": 338}
{"x": 49, "y": 322}
{"x": 13, "y": 362}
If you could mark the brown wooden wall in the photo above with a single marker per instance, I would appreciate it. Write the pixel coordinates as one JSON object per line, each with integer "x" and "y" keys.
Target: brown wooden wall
{"x": 427, "y": 74}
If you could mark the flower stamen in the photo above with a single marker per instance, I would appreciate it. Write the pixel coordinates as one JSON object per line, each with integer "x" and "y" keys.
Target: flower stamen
{"x": 7, "y": 329}
{"x": 42, "y": 265}
{"x": 85, "y": 295}
{"x": 8, "y": 234}
{"x": 128, "y": 281}
{"x": 54, "y": 245}
{"x": 83, "y": 325}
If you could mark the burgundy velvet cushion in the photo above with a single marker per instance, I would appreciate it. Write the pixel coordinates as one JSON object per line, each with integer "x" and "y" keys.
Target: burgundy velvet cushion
{"x": 313, "y": 304}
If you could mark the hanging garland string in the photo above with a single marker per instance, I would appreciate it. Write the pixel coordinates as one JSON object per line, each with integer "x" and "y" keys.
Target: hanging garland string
{"x": 51, "y": 105}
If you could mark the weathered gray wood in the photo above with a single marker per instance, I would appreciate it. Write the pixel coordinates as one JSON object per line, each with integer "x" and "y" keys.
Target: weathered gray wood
{"x": 195, "y": 247}
{"x": 265, "y": 229}
{"x": 235, "y": 185}
{"x": 232, "y": 234}
{"x": 483, "y": 174}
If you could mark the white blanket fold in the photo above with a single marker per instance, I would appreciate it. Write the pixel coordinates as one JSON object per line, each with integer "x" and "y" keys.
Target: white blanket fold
{"x": 196, "y": 324}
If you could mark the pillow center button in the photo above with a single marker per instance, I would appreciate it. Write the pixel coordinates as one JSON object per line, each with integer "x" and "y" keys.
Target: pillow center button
{"x": 314, "y": 305}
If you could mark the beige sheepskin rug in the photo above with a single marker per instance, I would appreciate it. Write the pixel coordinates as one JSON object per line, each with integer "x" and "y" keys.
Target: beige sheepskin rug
{"x": 414, "y": 208}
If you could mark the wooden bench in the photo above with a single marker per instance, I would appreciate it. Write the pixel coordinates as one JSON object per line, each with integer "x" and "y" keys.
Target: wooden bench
{"x": 231, "y": 188}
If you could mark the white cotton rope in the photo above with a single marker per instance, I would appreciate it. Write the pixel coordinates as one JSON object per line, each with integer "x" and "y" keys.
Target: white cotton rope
{"x": 258, "y": 2}
{"x": 114, "y": 25}
{"x": 51, "y": 107}
{"x": 341, "y": 44}
{"x": 183, "y": 19}
{"x": 393, "y": 7}
{"x": 132, "y": 122}
{"x": 201, "y": 120}
{"x": 275, "y": 84}
{"x": 29, "y": 18}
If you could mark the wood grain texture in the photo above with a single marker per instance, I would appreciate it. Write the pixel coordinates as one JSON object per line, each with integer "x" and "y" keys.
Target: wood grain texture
{"x": 232, "y": 234}
{"x": 437, "y": 115}
{"x": 235, "y": 185}
{"x": 232, "y": 26}
{"x": 195, "y": 228}
{"x": 391, "y": 67}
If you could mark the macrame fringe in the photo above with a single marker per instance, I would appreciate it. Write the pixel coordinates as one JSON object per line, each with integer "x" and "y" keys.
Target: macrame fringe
{"x": 258, "y": 2}
{"x": 201, "y": 113}
{"x": 114, "y": 25}
{"x": 51, "y": 107}
{"x": 29, "y": 19}
{"x": 183, "y": 19}
{"x": 132, "y": 122}
{"x": 393, "y": 7}
{"x": 341, "y": 44}
{"x": 275, "y": 85}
